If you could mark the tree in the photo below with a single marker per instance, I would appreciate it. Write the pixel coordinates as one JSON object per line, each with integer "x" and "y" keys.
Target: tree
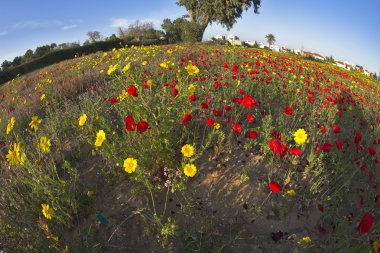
{"x": 94, "y": 36}
{"x": 42, "y": 50}
{"x": 112, "y": 38}
{"x": 28, "y": 56}
{"x": 16, "y": 61}
{"x": 330, "y": 59}
{"x": 201, "y": 13}
{"x": 270, "y": 39}
{"x": 6, "y": 65}
{"x": 173, "y": 30}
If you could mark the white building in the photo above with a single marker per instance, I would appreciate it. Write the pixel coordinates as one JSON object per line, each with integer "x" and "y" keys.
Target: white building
{"x": 220, "y": 37}
{"x": 234, "y": 40}
{"x": 249, "y": 43}
{"x": 274, "y": 48}
{"x": 261, "y": 45}
{"x": 297, "y": 51}
{"x": 340, "y": 64}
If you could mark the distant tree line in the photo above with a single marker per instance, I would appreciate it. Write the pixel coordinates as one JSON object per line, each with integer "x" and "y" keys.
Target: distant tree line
{"x": 138, "y": 33}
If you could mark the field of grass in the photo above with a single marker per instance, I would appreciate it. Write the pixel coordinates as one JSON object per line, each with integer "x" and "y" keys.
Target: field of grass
{"x": 190, "y": 148}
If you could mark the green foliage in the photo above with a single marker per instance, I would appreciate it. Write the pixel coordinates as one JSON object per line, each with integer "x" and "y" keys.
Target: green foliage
{"x": 203, "y": 13}
{"x": 270, "y": 39}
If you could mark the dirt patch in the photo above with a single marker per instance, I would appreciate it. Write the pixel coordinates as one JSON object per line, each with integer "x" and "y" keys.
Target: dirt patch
{"x": 227, "y": 208}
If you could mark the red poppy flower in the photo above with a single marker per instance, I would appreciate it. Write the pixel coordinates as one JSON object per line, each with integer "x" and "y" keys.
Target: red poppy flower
{"x": 217, "y": 113}
{"x": 3, "y": 144}
{"x": 326, "y": 147}
{"x": 204, "y": 106}
{"x": 132, "y": 91}
{"x": 174, "y": 91}
{"x": 275, "y": 187}
{"x": 248, "y": 101}
{"x": 295, "y": 151}
{"x": 235, "y": 68}
{"x": 366, "y": 223}
{"x": 288, "y": 111}
{"x": 113, "y": 100}
{"x": 227, "y": 108}
{"x": 336, "y": 129}
{"x": 250, "y": 118}
{"x": 129, "y": 123}
{"x": 186, "y": 118}
{"x": 142, "y": 126}
{"x": 277, "y": 147}
{"x": 358, "y": 137}
{"x": 210, "y": 122}
{"x": 236, "y": 127}
{"x": 252, "y": 134}
{"x": 339, "y": 144}
{"x": 371, "y": 150}
{"x": 225, "y": 65}
{"x": 192, "y": 98}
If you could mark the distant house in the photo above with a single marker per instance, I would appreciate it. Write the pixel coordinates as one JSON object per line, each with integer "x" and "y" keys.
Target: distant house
{"x": 314, "y": 55}
{"x": 220, "y": 37}
{"x": 261, "y": 45}
{"x": 366, "y": 72}
{"x": 349, "y": 66}
{"x": 274, "y": 48}
{"x": 297, "y": 51}
{"x": 234, "y": 40}
{"x": 249, "y": 43}
{"x": 340, "y": 64}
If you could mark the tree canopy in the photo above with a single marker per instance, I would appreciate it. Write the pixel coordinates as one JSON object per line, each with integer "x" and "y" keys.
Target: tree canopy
{"x": 224, "y": 12}
{"x": 270, "y": 39}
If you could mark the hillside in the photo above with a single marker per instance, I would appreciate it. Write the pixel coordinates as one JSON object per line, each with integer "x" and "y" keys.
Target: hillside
{"x": 190, "y": 148}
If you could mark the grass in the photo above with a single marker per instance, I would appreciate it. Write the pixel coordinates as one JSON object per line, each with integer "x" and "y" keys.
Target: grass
{"x": 254, "y": 188}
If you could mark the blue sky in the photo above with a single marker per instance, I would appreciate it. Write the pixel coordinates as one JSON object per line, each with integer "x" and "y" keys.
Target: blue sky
{"x": 349, "y": 30}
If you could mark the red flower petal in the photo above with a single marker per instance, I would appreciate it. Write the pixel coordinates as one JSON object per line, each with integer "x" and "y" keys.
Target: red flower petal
{"x": 113, "y": 100}
{"x": 371, "y": 150}
{"x": 275, "y": 187}
{"x": 252, "y": 134}
{"x": 142, "y": 126}
{"x": 250, "y": 118}
{"x": 366, "y": 223}
{"x": 236, "y": 127}
{"x": 235, "y": 68}
{"x": 129, "y": 123}
{"x": 132, "y": 91}
{"x": 336, "y": 129}
{"x": 192, "y": 98}
{"x": 248, "y": 102}
{"x": 288, "y": 110}
{"x": 186, "y": 118}
{"x": 210, "y": 122}
{"x": 295, "y": 151}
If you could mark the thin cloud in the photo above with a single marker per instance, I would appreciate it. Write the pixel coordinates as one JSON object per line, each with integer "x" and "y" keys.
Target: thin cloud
{"x": 67, "y": 27}
{"x": 35, "y": 24}
{"x": 119, "y": 22}
{"x": 3, "y": 33}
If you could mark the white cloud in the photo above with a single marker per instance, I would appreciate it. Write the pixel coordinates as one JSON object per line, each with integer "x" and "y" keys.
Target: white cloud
{"x": 67, "y": 27}
{"x": 119, "y": 22}
{"x": 3, "y": 33}
{"x": 33, "y": 24}
{"x": 124, "y": 23}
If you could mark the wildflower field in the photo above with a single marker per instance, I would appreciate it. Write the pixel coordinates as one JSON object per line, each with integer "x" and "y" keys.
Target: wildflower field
{"x": 190, "y": 148}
